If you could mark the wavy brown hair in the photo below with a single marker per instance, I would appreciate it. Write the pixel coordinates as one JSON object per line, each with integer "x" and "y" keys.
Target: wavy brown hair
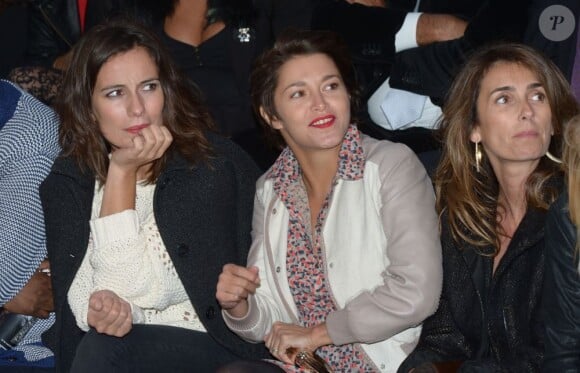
{"x": 184, "y": 113}
{"x": 293, "y": 43}
{"x": 470, "y": 198}
{"x": 571, "y": 162}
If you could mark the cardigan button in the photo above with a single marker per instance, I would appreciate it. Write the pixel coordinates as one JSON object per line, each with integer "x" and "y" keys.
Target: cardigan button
{"x": 278, "y": 269}
{"x": 163, "y": 184}
{"x": 182, "y": 250}
{"x": 274, "y": 211}
{"x": 210, "y": 313}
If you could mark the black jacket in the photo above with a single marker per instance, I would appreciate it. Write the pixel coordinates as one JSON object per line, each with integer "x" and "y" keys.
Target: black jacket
{"x": 54, "y": 26}
{"x": 561, "y": 292}
{"x": 490, "y": 322}
{"x": 204, "y": 216}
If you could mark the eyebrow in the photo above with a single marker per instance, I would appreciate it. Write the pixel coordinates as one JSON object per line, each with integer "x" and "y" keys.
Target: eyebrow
{"x": 301, "y": 83}
{"x": 117, "y": 86}
{"x": 511, "y": 88}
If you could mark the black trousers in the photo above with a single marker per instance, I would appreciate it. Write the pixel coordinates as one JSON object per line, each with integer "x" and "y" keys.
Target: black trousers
{"x": 151, "y": 348}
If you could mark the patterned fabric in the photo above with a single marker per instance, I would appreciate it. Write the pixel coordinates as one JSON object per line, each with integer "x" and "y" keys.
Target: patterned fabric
{"x": 28, "y": 146}
{"x": 305, "y": 256}
{"x": 41, "y": 82}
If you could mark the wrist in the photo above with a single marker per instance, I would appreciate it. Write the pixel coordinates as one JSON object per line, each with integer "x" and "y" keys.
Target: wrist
{"x": 240, "y": 310}
{"x": 320, "y": 336}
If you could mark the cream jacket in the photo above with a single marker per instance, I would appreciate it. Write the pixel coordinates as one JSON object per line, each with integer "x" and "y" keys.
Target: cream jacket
{"x": 382, "y": 255}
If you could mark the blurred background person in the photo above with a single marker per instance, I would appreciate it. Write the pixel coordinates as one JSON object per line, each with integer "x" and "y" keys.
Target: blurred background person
{"x": 28, "y": 147}
{"x": 53, "y": 28}
{"x": 562, "y": 284}
{"x": 214, "y": 43}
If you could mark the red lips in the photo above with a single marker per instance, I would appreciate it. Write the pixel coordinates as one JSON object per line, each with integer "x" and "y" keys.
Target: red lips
{"x": 136, "y": 129}
{"x": 323, "y": 122}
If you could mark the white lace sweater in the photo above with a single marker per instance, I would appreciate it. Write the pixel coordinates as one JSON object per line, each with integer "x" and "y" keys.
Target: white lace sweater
{"x": 127, "y": 256}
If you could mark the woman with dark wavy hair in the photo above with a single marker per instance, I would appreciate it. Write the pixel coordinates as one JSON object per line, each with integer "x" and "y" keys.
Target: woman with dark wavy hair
{"x": 345, "y": 262}
{"x": 498, "y": 175}
{"x": 142, "y": 210}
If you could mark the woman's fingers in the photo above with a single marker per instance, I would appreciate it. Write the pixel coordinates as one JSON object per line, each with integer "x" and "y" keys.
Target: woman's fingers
{"x": 236, "y": 283}
{"x": 109, "y": 314}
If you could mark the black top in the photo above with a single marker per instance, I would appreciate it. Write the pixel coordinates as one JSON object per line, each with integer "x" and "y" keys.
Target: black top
{"x": 204, "y": 216}
{"x": 211, "y": 67}
{"x": 489, "y": 321}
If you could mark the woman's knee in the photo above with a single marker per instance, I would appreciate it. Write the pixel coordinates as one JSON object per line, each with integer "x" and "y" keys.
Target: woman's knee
{"x": 98, "y": 353}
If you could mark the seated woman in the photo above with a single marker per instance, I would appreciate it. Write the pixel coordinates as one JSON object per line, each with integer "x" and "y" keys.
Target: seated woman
{"x": 494, "y": 185}
{"x": 345, "y": 260}
{"x": 562, "y": 284}
{"x": 142, "y": 210}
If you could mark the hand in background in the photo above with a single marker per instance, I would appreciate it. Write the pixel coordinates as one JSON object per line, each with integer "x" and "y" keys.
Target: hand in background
{"x": 377, "y": 3}
{"x": 432, "y": 28}
{"x": 109, "y": 314}
{"x": 234, "y": 285}
{"x": 63, "y": 61}
{"x": 35, "y": 298}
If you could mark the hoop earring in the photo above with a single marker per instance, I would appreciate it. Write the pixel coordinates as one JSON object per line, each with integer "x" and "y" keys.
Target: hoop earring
{"x": 553, "y": 158}
{"x": 478, "y": 157}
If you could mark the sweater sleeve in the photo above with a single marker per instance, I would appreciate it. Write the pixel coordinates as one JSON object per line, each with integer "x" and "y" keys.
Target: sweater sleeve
{"x": 81, "y": 289}
{"x": 28, "y": 146}
{"x": 123, "y": 263}
{"x": 412, "y": 281}
{"x": 22, "y": 246}
{"x": 118, "y": 259}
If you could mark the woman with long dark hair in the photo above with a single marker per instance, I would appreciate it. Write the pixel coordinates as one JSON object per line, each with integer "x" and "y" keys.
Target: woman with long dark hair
{"x": 502, "y": 125}
{"x": 142, "y": 210}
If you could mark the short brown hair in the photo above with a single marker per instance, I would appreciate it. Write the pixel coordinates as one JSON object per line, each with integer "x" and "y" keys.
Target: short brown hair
{"x": 290, "y": 44}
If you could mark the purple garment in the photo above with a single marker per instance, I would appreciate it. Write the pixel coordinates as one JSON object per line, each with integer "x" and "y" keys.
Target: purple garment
{"x": 575, "y": 81}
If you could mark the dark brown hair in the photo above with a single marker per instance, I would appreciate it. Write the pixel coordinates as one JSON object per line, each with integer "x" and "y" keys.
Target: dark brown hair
{"x": 470, "y": 198}
{"x": 290, "y": 44}
{"x": 184, "y": 114}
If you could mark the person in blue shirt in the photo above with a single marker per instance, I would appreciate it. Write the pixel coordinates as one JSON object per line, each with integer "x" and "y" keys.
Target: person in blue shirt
{"x": 28, "y": 147}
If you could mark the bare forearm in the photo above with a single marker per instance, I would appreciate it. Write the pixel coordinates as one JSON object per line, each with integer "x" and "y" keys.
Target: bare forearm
{"x": 120, "y": 190}
{"x": 432, "y": 28}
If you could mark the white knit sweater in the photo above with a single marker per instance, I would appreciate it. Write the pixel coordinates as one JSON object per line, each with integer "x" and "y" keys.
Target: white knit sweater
{"x": 127, "y": 256}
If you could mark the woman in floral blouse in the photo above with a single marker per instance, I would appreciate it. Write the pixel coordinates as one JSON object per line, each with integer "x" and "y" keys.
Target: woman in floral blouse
{"x": 345, "y": 260}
